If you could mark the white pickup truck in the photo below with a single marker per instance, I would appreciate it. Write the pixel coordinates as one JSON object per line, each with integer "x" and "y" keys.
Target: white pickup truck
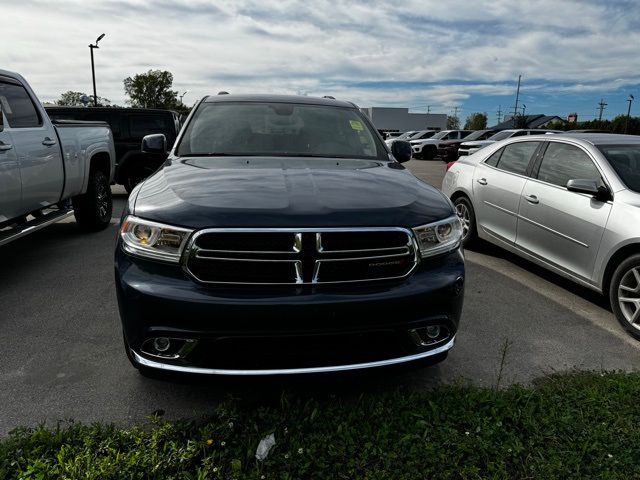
{"x": 50, "y": 170}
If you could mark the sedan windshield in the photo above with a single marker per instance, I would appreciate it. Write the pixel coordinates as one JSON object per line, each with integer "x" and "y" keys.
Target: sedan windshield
{"x": 625, "y": 160}
{"x": 279, "y": 129}
{"x": 501, "y": 135}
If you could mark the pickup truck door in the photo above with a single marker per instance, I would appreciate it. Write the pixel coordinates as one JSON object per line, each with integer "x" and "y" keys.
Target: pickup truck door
{"x": 562, "y": 227}
{"x": 497, "y": 187}
{"x": 10, "y": 183}
{"x": 36, "y": 145}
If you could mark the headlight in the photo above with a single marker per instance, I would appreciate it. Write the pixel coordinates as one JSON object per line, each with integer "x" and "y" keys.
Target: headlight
{"x": 439, "y": 237}
{"x": 153, "y": 240}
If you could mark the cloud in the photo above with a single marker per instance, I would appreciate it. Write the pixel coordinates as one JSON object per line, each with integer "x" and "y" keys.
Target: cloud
{"x": 407, "y": 53}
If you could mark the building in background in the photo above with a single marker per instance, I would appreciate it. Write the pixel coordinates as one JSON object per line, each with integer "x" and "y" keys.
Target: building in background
{"x": 528, "y": 121}
{"x": 401, "y": 120}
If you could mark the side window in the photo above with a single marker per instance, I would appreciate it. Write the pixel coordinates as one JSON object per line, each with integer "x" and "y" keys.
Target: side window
{"x": 141, "y": 125}
{"x": 452, "y": 136}
{"x": 493, "y": 159}
{"x": 562, "y": 162}
{"x": 18, "y": 107}
{"x": 516, "y": 156}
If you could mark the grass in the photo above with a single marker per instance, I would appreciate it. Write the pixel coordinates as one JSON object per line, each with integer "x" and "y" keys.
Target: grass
{"x": 582, "y": 425}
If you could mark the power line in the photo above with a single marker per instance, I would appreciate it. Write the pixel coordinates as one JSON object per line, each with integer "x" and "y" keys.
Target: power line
{"x": 601, "y": 108}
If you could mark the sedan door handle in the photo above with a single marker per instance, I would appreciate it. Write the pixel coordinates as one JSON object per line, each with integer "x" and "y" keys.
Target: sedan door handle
{"x": 48, "y": 142}
{"x": 532, "y": 199}
{"x": 482, "y": 181}
{"x": 5, "y": 146}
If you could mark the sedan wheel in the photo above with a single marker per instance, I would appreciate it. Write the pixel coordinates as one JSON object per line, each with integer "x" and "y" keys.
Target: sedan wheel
{"x": 625, "y": 294}
{"x": 467, "y": 216}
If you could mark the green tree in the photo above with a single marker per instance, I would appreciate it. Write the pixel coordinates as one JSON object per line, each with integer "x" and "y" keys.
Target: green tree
{"x": 453, "y": 122}
{"x": 74, "y": 99}
{"x": 476, "y": 121}
{"x": 151, "y": 90}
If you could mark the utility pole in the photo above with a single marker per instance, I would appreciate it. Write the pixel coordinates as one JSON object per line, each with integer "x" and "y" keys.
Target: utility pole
{"x": 601, "y": 106}
{"x": 524, "y": 108}
{"x": 93, "y": 70}
{"x": 183, "y": 96}
{"x": 515, "y": 109}
{"x": 428, "y": 108}
{"x": 499, "y": 113}
{"x": 626, "y": 124}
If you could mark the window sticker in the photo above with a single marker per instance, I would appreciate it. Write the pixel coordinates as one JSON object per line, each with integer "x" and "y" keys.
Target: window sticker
{"x": 356, "y": 125}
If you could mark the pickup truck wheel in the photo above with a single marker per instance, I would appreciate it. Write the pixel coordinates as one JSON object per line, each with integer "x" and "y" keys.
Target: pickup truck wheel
{"x": 624, "y": 295}
{"x": 93, "y": 209}
{"x": 467, "y": 216}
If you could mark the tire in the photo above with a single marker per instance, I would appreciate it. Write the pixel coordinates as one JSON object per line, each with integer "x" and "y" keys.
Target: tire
{"x": 625, "y": 284}
{"x": 467, "y": 215}
{"x": 93, "y": 209}
{"x": 135, "y": 174}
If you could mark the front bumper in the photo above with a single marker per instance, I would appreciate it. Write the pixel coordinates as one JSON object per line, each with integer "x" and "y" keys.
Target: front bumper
{"x": 287, "y": 330}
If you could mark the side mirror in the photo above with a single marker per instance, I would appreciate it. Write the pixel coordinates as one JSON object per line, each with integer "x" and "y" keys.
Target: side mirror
{"x": 156, "y": 143}
{"x": 590, "y": 187}
{"x": 401, "y": 150}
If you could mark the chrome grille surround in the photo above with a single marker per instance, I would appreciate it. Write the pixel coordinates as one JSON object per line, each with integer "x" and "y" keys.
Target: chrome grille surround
{"x": 302, "y": 273}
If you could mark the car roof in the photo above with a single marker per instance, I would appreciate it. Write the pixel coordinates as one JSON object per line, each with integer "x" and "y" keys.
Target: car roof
{"x": 299, "y": 99}
{"x": 601, "y": 138}
{"x": 107, "y": 109}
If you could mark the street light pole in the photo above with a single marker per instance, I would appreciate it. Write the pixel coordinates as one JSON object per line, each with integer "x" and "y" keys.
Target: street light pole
{"x": 626, "y": 124}
{"x": 183, "y": 96}
{"x": 93, "y": 70}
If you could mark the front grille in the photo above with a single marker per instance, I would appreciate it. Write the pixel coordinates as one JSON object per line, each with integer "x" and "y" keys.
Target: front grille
{"x": 300, "y": 256}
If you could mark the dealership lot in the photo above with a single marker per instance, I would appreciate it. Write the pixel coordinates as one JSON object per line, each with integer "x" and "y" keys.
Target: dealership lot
{"x": 63, "y": 355}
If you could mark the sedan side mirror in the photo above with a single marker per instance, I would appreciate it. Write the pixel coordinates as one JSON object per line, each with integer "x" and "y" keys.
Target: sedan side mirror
{"x": 401, "y": 150}
{"x": 156, "y": 143}
{"x": 590, "y": 187}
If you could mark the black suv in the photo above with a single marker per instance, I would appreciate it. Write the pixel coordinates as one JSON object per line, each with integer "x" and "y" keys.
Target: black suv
{"x": 282, "y": 236}
{"x": 129, "y": 127}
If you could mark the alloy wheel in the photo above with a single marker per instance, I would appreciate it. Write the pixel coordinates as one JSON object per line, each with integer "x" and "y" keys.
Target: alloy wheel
{"x": 465, "y": 218}
{"x": 629, "y": 296}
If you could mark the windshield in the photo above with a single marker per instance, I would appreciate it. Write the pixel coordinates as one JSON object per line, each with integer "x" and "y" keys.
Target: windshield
{"x": 501, "y": 135}
{"x": 477, "y": 135}
{"x": 625, "y": 160}
{"x": 279, "y": 129}
{"x": 406, "y": 135}
{"x": 440, "y": 135}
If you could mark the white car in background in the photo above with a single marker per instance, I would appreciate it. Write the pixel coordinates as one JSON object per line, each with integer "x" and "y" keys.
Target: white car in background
{"x": 468, "y": 148}
{"x": 569, "y": 203}
{"x": 411, "y": 135}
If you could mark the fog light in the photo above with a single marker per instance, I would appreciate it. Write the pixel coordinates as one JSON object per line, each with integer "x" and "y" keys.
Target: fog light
{"x": 433, "y": 331}
{"x": 161, "y": 344}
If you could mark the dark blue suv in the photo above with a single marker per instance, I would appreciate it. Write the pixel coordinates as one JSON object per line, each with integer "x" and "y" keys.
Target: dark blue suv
{"x": 282, "y": 236}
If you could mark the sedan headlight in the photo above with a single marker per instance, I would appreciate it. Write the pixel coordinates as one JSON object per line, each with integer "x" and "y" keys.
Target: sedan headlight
{"x": 153, "y": 240}
{"x": 439, "y": 237}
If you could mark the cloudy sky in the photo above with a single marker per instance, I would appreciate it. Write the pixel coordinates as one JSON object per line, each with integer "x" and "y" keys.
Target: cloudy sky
{"x": 465, "y": 53}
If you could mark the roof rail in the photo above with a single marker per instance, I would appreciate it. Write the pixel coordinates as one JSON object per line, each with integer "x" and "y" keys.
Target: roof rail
{"x": 223, "y": 93}
{"x": 329, "y": 96}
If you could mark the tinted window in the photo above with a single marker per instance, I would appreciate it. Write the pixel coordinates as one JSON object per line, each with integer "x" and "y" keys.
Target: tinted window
{"x": 625, "y": 160}
{"x": 101, "y": 116}
{"x": 515, "y": 157}
{"x": 18, "y": 107}
{"x": 279, "y": 129}
{"x": 141, "y": 125}
{"x": 493, "y": 159}
{"x": 563, "y": 162}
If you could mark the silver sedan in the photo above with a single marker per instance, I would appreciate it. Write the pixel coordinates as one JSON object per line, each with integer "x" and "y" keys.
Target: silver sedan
{"x": 570, "y": 203}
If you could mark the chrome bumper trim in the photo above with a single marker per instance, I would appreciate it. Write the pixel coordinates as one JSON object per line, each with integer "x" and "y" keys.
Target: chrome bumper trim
{"x": 292, "y": 371}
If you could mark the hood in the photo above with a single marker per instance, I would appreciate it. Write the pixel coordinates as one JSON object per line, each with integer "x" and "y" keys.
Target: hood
{"x": 287, "y": 192}
{"x": 478, "y": 143}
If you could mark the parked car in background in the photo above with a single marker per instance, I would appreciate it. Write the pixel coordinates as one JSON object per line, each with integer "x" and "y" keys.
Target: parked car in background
{"x": 49, "y": 170}
{"x": 282, "y": 237}
{"x": 570, "y": 203}
{"x": 427, "y": 148}
{"x": 448, "y": 149}
{"x": 468, "y": 148}
{"x": 129, "y": 126}
{"x": 402, "y": 136}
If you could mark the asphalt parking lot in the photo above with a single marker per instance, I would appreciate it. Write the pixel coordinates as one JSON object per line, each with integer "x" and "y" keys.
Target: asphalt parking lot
{"x": 62, "y": 354}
